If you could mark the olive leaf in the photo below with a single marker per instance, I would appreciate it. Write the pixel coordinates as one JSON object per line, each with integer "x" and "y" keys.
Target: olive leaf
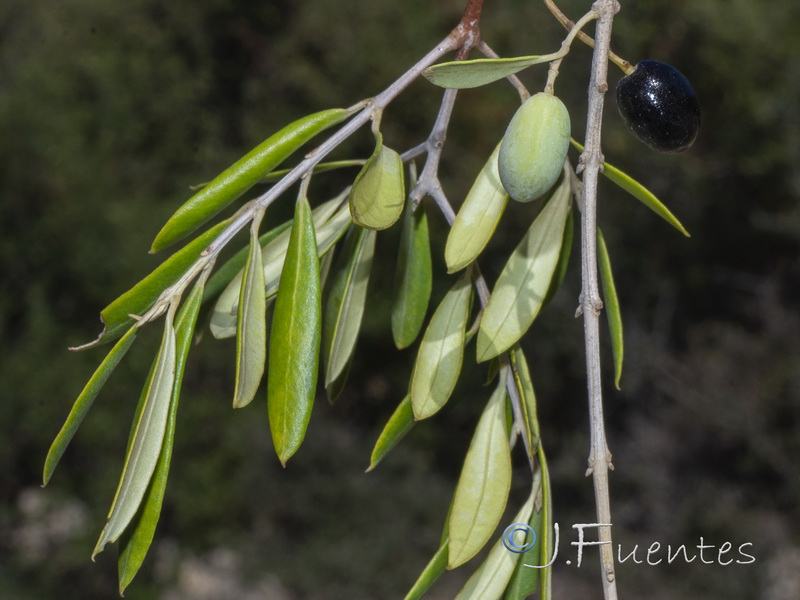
{"x": 84, "y": 402}
{"x": 413, "y": 278}
{"x": 477, "y": 218}
{"x": 135, "y": 547}
{"x": 432, "y": 571}
{"x": 251, "y": 324}
{"x": 441, "y": 352}
{"x": 521, "y": 288}
{"x": 116, "y": 317}
{"x": 331, "y": 220}
{"x": 346, "y": 301}
{"x": 147, "y": 437}
{"x": 485, "y": 480}
{"x": 396, "y": 428}
{"x": 611, "y": 301}
{"x": 478, "y": 72}
{"x": 524, "y": 383}
{"x": 295, "y": 338}
{"x": 638, "y": 191}
{"x": 563, "y": 259}
{"x": 526, "y": 580}
{"x": 378, "y": 194}
{"x": 244, "y": 174}
{"x": 490, "y": 579}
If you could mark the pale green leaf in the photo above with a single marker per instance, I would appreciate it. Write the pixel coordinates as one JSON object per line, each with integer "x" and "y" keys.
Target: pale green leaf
{"x": 413, "y": 278}
{"x": 490, "y": 579}
{"x": 295, "y": 338}
{"x": 135, "y": 548}
{"x": 148, "y": 437}
{"x": 638, "y": 191}
{"x": 522, "y": 286}
{"x": 477, "y": 218}
{"x": 433, "y": 570}
{"x": 482, "y": 490}
{"x": 84, "y": 402}
{"x": 378, "y": 194}
{"x": 474, "y": 73}
{"x": 399, "y": 424}
{"x": 346, "y": 301}
{"x": 251, "y": 325}
{"x": 441, "y": 352}
{"x": 563, "y": 259}
{"x": 611, "y": 302}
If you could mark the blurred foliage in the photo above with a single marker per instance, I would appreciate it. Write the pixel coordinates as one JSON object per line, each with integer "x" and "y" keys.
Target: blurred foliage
{"x": 109, "y": 110}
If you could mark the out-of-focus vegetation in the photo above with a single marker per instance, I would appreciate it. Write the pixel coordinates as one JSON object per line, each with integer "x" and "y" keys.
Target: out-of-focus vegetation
{"x": 109, "y": 110}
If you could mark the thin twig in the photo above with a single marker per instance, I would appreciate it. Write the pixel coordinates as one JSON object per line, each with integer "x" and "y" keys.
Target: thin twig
{"x": 591, "y": 162}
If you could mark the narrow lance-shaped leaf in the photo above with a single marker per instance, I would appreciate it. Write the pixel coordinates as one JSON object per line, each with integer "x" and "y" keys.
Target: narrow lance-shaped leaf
{"x": 251, "y": 325}
{"x": 521, "y": 288}
{"x": 398, "y": 425}
{"x": 611, "y": 302}
{"x": 441, "y": 352}
{"x": 84, "y": 402}
{"x": 524, "y": 383}
{"x": 638, "y": 191}
{"x": 525, "y": 580}
{"x": 116, "y": 317}
{"x": 485, "y": 480}
{"x": 244, "y": 174}
{"x": 295, "y": 338}
{"x": 148, "y": 436}
{"x": 477, "y": 218}
{"x": 478, "y": 72}
{"x": 490, "y": 579}
{"x": 329, "y": 223}
{"x": 546, "y": 541}
{"x": 378, "y": 194}
{"x": 563, "y": 259}
{"x": 135, "y": 548}
{"x": 413, "y": 279}
{"x": 432, "y": 571}
{"x": 346, "y": 302}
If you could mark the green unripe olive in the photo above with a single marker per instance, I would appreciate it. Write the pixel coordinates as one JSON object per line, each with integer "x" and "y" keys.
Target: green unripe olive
{"x": 534, "y": 147}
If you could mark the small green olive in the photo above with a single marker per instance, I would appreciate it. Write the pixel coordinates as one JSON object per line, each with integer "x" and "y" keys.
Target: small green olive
{"x": 534, "y": 147}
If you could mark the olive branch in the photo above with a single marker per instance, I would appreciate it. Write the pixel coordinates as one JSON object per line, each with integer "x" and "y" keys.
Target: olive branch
{"x": 312, "y": 274}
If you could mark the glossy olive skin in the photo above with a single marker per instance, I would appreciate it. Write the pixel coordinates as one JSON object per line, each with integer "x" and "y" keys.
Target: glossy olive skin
{"x": 659, "y": 106}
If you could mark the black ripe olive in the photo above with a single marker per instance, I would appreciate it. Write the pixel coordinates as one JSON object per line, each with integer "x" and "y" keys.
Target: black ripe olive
{"x": 659, "y": 106}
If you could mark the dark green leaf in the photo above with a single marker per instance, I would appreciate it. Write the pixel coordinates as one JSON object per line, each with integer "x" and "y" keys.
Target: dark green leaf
{"x": 399, "y": 424}
{"x": 611, "y": 302}
{"x": 432, "y": 572}
{"x": 244, "y": 174}
{"x": 413, "y": 278}
{"x": 638, "y": 191}
{"x": 85, "y": 401}
{"x": 295, "y": 338}
{"x": 137, "y": 300}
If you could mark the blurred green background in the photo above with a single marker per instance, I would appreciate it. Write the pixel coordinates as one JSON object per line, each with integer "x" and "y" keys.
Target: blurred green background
{"x": 109, "y": 110}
